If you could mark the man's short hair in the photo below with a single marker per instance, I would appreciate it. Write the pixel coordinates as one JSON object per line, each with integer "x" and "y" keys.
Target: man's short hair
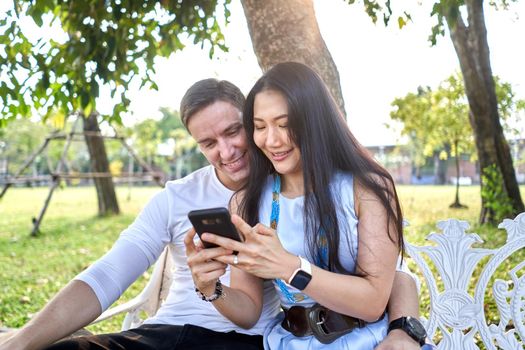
{"x": 205, "y": 92}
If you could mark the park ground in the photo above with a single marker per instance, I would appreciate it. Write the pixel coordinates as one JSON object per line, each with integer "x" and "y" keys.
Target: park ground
{"x": 72, "y": 236}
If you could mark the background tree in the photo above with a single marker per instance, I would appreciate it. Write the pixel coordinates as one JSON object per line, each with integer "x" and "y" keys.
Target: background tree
{"x": 108, "y": 44}
{"x": 465, "y": 22}
{"x": 145, "y": 139}
{"x": 471, "y": 45}
{"x": 412, "y": 111}
{"x": 15, "y": 147}
{"x": 186, "y": 156}
{"x": 288, "y": 31}
{"x": 164, "y": 143}
{"x": 450, "y": 109}
{"x": 438, "y": 120}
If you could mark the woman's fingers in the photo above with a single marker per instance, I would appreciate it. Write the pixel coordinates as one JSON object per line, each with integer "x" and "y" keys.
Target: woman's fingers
{"x": 264, "y": 230}
{"x": 193, "y": 247}
{"x": 207, "y": 255}
{"x": 233, "y": 260}
{"x": 241, "y": 225}
{"x": 223, "y": 242}
{"x": 259, "y": 254}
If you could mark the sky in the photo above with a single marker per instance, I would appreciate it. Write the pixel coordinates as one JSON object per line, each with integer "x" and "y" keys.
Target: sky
{"x": 376, "y": 64}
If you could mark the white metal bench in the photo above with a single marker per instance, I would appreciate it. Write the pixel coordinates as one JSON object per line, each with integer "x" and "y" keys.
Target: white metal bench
{"x": 457, "y": 306}
{"x": 457, "y": 299}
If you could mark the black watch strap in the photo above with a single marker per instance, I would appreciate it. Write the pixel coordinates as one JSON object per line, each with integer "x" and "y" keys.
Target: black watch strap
{"x": 397, "y": 324}
{"x": 410, "y": 326}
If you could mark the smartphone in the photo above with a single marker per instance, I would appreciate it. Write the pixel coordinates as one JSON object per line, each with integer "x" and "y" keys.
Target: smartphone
{"x": 213, "y": 220}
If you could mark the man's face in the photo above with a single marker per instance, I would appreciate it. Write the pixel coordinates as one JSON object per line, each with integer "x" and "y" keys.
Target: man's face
{"x": 220, "y": 135}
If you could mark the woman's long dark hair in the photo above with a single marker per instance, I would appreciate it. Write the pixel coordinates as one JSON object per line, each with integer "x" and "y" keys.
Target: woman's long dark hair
{"x": 327, "y": 146}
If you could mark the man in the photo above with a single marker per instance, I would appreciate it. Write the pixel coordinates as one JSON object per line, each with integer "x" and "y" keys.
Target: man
{"x": 211, "y": 111}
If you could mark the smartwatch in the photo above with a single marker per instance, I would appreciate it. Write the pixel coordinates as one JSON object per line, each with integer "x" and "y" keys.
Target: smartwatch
{"x": 411, "y": 326}
{"x": 302, "y": 276}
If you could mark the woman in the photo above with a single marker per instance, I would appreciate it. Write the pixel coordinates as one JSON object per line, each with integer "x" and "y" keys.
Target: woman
{"x": 321, "y": 219}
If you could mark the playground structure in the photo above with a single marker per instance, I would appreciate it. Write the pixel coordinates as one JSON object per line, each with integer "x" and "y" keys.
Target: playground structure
{"x": 58, "y": 174}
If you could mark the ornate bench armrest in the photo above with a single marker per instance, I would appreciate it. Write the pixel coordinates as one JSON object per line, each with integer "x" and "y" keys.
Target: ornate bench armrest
{"x": 457, "y": 308}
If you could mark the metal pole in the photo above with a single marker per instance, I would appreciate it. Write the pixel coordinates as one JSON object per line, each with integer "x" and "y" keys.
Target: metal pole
{"x": 56, "y": 180}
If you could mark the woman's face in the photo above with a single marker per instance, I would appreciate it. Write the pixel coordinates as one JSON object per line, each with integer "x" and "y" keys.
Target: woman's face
{"x": 270, "y": 118}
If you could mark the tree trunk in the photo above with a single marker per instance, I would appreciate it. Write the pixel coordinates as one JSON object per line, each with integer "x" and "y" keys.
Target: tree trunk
{"x": 472, "y": 49}
{"x": 287, "y": 31}
{"x": 107, "y": 199}
{"x": 441, "y": 173}
{"x": 457, "y": 203}
{"x": 440, "y": 167}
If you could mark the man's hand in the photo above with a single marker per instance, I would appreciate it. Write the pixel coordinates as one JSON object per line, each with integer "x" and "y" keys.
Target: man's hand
{"x": 398, "y": 340}
{"x": 205, "y": 270}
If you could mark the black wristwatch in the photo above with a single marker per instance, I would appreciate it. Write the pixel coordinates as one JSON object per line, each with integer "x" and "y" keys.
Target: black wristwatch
{"x": 410, "y": 326}
{"x": 302, "y": 276}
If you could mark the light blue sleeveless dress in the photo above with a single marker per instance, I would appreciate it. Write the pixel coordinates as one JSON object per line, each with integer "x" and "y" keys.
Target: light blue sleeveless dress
{"x": 291, "y": 234}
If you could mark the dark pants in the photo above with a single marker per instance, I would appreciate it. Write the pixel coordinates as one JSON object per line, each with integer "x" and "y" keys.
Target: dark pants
{"x": 159, "y": 337}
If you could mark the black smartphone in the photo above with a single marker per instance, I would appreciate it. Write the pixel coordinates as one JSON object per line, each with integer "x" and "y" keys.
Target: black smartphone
{"x": 213, "y": 220}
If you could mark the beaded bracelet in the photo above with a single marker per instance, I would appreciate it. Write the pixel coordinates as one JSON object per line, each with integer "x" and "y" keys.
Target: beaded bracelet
{"x": 216, "y": 294}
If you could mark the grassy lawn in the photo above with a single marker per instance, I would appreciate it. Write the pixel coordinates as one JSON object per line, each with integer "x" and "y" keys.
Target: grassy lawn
{"x": 34, "y": 269}
{"x": 72, "y": 236}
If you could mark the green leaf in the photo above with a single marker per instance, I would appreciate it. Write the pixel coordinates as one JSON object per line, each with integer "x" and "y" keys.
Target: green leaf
{"x": 57, "y": 118}
{"x": 94, "y": 88}
{"x": 45, "y": 79}
{"x": 37, "y": 17}
{"x": 84, "y": 99}
{"x": 88, "y": 109}
{"x": 401, "y": 22}
{"x": 138, "y": 32}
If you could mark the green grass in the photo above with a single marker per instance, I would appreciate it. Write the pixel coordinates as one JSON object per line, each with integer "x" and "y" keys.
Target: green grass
{"x": 33, "y": 269}
{"x": 72, "y": 236}
{"x": 423, "y": 206}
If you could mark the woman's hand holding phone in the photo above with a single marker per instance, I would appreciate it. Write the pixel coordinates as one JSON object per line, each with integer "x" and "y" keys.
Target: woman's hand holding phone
{"x": 261, "y": 253}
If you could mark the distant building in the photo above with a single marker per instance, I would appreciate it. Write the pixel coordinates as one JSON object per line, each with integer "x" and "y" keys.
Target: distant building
{"x": 397, "y": 160}
{"x": 517, "y": 149}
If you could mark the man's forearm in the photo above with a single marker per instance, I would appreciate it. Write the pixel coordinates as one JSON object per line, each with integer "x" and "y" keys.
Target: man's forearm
{"x": 72, "y": 308}
{"x": 404, "y": 300}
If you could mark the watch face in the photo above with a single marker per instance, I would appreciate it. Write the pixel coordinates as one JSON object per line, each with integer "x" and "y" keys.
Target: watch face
{"x": 301, "y": 280}
{"x": 416, "y": 328}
